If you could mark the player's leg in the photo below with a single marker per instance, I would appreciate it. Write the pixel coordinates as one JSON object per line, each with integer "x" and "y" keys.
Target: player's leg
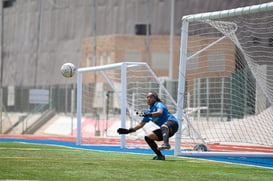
{"x": 168, "y": 129}
{"x": 150, "y": 139}
{"x": 165, "y": 134}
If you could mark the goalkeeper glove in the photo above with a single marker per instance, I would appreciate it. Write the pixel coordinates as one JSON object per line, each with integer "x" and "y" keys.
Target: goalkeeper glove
{"x": 125, "y": 131}
{"x": 143, "y": 114}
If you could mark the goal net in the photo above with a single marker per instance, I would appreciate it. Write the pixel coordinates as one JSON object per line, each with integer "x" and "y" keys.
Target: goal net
{"x": 226, "y": 76}
{"x": 109, "y": 96}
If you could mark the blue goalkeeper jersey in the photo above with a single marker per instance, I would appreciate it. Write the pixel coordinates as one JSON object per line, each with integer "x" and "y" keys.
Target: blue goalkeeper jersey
{"x": 161, "y": 119}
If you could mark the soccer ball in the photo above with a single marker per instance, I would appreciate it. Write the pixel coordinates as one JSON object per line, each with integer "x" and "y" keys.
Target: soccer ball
{"x": 68, "y": 70}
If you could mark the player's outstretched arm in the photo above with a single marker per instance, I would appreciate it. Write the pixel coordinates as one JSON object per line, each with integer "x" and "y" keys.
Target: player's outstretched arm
{"x": 130, "y": 130}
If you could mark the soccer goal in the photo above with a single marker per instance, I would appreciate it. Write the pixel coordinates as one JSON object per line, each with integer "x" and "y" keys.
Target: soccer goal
{"x": 226, "y": 76}
{"x": 111, "y": 95}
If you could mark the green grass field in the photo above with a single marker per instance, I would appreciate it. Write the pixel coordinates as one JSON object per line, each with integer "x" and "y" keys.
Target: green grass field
{"x": 42, "y": 162}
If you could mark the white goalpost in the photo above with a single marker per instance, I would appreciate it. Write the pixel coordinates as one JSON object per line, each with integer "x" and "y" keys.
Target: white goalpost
{"x": 116, "y": 92}
{"x": 225, "y": 84}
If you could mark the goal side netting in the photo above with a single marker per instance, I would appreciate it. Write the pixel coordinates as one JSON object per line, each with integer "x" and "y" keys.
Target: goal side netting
{"x": 226, "y": 76}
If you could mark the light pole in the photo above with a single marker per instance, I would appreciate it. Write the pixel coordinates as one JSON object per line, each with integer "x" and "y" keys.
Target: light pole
{"x": 148, "y": 9}
{"x": 171, "y": 40}
{"x": 1, "y": 74}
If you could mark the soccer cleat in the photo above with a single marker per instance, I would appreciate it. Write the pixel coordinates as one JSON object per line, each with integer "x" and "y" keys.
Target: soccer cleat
{"x": 165, "y": 146}
{"x": 159, "y": 157}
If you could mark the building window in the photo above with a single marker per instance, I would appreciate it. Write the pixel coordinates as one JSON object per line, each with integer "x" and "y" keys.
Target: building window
{"x": 132, "y": 56}
{"x": 8, "y": 3}
{"x": 101, "y": 58}
{"x": 108, "y": 58}
{"x": 160, "y": 60}
{"x": 216, "y": 62}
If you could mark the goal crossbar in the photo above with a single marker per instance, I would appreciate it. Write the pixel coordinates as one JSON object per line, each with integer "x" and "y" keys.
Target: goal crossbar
{"x": 229, "y": 13}
{"x": 109, "y": 66}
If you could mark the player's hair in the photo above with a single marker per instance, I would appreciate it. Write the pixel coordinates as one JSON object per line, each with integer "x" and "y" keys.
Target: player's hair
{"x": 156, "y": 96}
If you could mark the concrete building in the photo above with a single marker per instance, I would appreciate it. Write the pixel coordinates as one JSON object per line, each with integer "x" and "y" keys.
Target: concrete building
{"x": 130, "y": 48}
{"x": 39, "y": 36}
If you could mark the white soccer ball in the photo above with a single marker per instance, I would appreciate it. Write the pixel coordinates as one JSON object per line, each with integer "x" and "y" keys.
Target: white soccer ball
{"x": 68, "y": 70}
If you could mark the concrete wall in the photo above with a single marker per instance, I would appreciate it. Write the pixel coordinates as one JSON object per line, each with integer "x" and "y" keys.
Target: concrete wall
{"x": 40, "y": 35}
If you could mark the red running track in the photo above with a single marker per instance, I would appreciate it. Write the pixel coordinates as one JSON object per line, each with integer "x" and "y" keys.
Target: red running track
{"x": 116, "y": 141}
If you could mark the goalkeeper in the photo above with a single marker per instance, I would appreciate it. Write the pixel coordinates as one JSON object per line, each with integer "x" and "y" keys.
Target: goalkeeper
{"x": 159, "y": 114}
